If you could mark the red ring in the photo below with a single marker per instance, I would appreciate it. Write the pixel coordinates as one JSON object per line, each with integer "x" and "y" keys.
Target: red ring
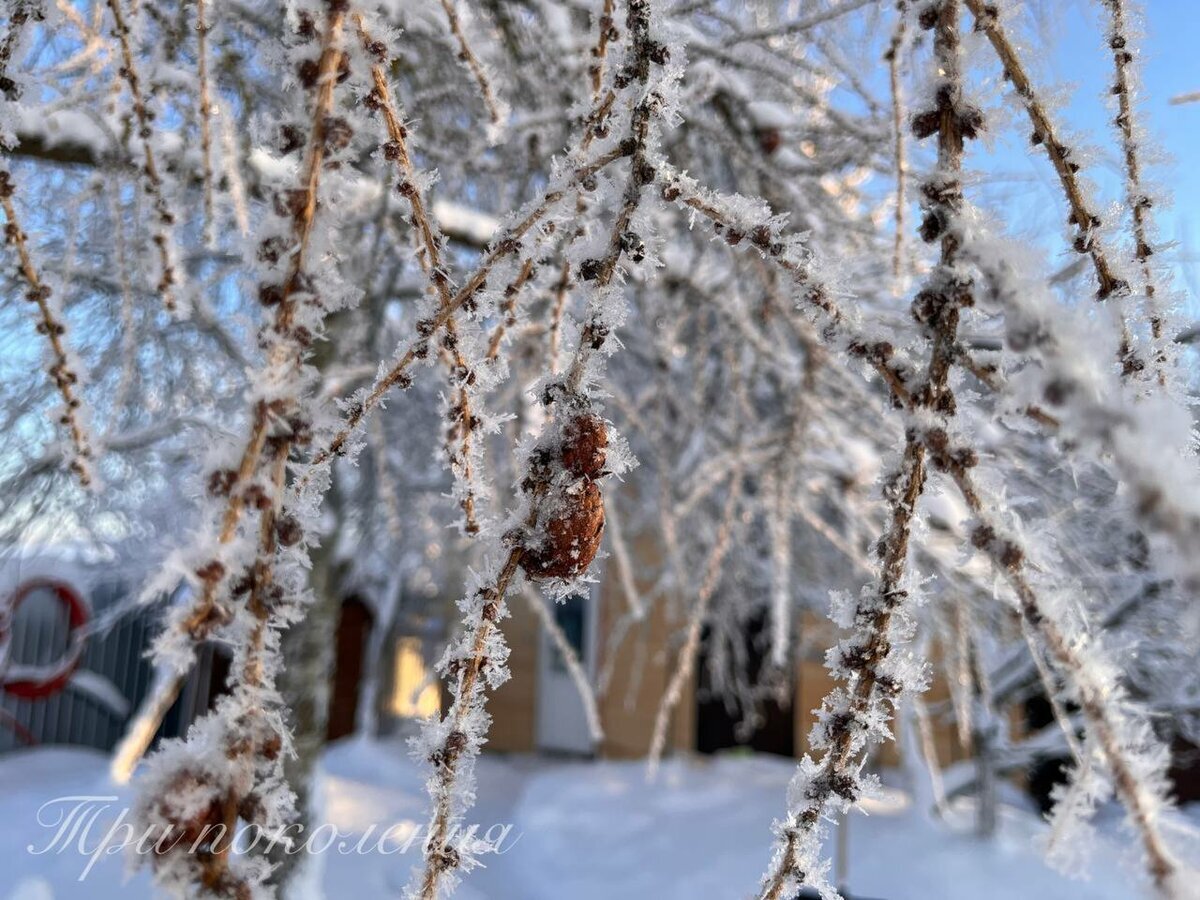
{"x": 78, "y": 615}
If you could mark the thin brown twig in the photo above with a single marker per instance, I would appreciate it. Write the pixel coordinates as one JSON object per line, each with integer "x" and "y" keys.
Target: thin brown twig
{"x": 253, "y": 737}
{"x": 864, "y": 660}
{"x": 508, "y": 310}
{"x": 461, "y": 433}
{"x": 287, "y": 352}
{"x": 440, "y": 857}
{"x": 206, "y": 614}
{"x": 1136, "y": 198}
{"x": 62, "y": 370}
{"x": 468, "y": 58}
{"x": 606, "y": 31}
{"x": 204, "y": 101}
{"x": 467, "y": 690}
{"x": 507, "y": 245}
{"x": 164, "y": 219}
{"x": 129, "y": 341}
{"x": 1008, "y": 556}
{"x": 595, "y": 126}
{"x": 1085, "y": 218}
{"x": 215, "y": 864}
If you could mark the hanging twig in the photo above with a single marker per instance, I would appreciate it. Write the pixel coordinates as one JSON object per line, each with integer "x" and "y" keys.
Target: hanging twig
{"x": 1083, "y": 216}
{"x": 685, "y": 662}
{"x": 1136, "y": 197}
{"x": 893, "y": 56}
{"x": 474, "y": 663}
{"x": 274, "y": 426}
{"x": 463, "y": 417}
{"x": 606, "y": 31}
{"x": 164, "y": 219}
{"x": 64, "y": 369}
{"x": 205, "y": 105}
{"x": 865, "y": 660}
{"x": 469, "y": 59}
{"x": 508, "y": 310}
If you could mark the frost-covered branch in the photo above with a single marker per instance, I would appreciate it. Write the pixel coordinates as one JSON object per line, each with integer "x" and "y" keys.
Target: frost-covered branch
{"x": 606, "y": 33}
{"x": 229, "y": 767}
{"x": 560, "y": 520}
{"x": 870, "y": 660}
{"x": 1120, "y": 733}
{"x": 1120, "y": 38}
{"x": 495, "y": 109}
{"x": 65, "y": 369}
{"x": 1084, "y": 217}
{"x": 164, "y": 219}
{"x": 462, "y": 414}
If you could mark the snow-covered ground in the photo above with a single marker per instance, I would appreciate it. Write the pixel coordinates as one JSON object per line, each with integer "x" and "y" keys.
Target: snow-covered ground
{"x": 584, "y": 831}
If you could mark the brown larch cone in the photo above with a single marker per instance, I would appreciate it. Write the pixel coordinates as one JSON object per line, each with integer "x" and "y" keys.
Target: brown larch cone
{"x": 574, "y": 535}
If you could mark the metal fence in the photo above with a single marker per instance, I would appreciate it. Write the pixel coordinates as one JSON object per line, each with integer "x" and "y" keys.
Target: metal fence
{"x": 92, "y": 710}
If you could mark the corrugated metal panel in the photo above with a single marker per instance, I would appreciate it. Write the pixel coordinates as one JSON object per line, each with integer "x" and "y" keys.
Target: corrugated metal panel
{"x": 74, "y": 716}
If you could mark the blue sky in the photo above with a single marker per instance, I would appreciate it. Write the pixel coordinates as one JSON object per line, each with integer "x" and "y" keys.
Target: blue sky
{"x": 1070, "y": 33}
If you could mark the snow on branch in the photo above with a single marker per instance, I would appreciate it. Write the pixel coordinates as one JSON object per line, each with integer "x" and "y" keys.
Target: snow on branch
{"x": 558, "y": 524}
{"x": 250, "y": 576}
{"x": 164, "y": 218}
{"x": 1067, "y": 161}
{"x": 463, "y": 417}
{"x": 871, "y": 661}
{"x": 1126, "y": 86}
{"x": 66, "y": 371}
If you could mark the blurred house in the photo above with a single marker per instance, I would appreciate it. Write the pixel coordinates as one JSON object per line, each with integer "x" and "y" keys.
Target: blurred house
{"x": 539, "y": 708}
{"x": 383, "y": 676}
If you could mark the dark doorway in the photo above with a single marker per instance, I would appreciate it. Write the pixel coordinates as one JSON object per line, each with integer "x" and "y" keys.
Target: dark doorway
{"x": 1185, "y": 770}
{"x": 1045, "y": 773}
{"x": 719, "y": 723}
{"x": 354, "y": 627}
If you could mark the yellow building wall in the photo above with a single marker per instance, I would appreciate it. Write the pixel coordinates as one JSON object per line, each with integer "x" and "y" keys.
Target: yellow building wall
{"x": 646, "y": 656}
{"x": 514, "y": 704}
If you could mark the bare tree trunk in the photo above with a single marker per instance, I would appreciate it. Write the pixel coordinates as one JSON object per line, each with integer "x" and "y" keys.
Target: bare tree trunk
{"x": 308, "y": 654}
{"x": 983, "y": 740}
{"x": 373, "y": 673}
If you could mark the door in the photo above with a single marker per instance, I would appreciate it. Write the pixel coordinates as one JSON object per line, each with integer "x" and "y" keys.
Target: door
{"x": 719, "y": 727}
{"x": 561, "y": 722}
{"x": 354, "y": 629}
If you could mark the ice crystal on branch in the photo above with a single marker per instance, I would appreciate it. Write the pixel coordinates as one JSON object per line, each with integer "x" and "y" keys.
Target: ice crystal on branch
{"x": 760, "y": 267}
